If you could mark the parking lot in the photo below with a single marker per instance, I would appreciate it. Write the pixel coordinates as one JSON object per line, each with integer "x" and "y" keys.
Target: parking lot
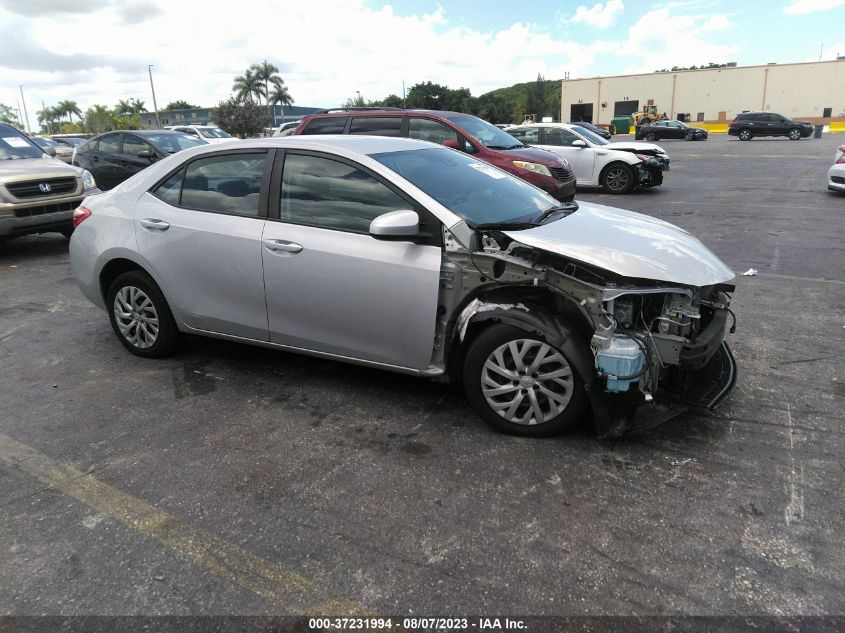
{"x": 234, "y": 480}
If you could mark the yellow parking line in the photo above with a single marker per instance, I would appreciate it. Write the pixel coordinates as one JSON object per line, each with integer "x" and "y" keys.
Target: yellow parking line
{"x": 294, "y": 593}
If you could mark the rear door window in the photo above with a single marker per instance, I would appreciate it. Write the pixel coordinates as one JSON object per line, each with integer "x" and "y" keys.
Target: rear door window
{"x": 224, "y": 184}
{"x": 326, "y": 125}
{"x": 377, "y": 126}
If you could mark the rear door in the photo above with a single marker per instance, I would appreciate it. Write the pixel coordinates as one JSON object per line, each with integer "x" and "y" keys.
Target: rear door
{"x": 200, "y": 233}
{"x": 331, "y": 287}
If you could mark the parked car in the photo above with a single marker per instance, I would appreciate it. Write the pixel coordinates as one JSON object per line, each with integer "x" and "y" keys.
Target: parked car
{"x": 595, "y": 129}
{"x": 616, "y": 167}
{"x": 208, "y": 133}
{"x": 54, "y": 149}
{"x": 70, "y": 141}
{"x": 37, "y": 193}
{"x": 750, "y": 124}
{"x": 456, "y": 130}
{"x": 287, "y": 128}
{"x": 836, "y": 174}
{"x": 408, "y": 256}
{"x": 115, "y": 156}
{"x": 667, "y": 128}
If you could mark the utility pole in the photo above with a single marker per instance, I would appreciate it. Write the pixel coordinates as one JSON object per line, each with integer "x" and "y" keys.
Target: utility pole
{"x": 25, "y": 113}
{"x": 404, "y": 105}
{"x": 152, "y": 87}
{"x": 18, "y": 112}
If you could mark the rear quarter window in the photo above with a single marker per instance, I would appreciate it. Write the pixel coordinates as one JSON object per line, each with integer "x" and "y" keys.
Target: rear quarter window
{"x": 326, "y": 125}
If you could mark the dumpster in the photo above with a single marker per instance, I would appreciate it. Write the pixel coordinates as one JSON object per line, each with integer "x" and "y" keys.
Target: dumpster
{"x": 818, "y": 132}
{"x": 620, "y": 125}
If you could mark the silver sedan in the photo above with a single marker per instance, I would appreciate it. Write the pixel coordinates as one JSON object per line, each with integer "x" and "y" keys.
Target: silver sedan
{"x": 416, "y": 258}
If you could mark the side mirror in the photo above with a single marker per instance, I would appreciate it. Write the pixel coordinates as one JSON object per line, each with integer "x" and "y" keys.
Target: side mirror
{"x": 395, "y": 225}
{"x": 579, "y": 143}
{"x": 50, "y": 151}
{"x": 145, "y": 153}
{"x": 452, "y": 144}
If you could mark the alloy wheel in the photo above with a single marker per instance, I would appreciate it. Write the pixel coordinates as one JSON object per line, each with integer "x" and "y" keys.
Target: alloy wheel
{"x": 136, "y": 317}
{"x": 527, "y": 382}
{"x": 794, "y": 135}
{"x": 617, "y": 179}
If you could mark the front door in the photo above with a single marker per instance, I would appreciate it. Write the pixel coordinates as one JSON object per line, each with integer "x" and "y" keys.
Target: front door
{"x": 333, "y": 288}
{"x": 581, "y": 159}
{"x": 106, "y": 162}
{"x": 200, "y": 233}
{"x": 131, "y": 147}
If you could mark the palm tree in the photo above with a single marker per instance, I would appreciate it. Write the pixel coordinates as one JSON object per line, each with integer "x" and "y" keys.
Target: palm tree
{"x": 247, "y": 85}
{"x": 136, "y": 106}
{"x": 123, "y": 106}
{"x": 48, "y": 116}
{"x": 267, "y": 73}
{"x": 279, "y": 94}
{"x": 68, "y": 108}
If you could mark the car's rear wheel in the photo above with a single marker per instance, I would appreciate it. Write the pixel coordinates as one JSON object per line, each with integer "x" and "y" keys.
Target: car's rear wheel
{"x": 649, "y": 136}
{"x": 521, "y": 385}
{"x": 745, "y": 134}
{"x": 618, "y": 178}
{"x": 140, "y": 316}
{"x": 794, "y": 134}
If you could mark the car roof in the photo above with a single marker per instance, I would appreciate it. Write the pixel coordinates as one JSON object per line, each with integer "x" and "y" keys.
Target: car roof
{"x": 385, "y": 112}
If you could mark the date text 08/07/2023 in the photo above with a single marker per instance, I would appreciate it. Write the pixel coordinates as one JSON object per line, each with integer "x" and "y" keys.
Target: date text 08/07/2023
{"x": 414, "y": 624}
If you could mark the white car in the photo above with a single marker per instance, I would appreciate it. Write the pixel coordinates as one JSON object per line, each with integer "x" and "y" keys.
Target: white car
{"x": 836, "y": 174}
{"x": 208, "y": 133}
{"x": 617, "y": 167}
{"x": 286, "y": 128}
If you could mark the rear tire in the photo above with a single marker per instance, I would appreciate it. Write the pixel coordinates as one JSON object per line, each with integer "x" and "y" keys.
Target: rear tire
{"x": 140, "y": 316}
{"x": 618, "y": 179}
{"x": 521, "y": 385}
{"x": 745, "y": 134}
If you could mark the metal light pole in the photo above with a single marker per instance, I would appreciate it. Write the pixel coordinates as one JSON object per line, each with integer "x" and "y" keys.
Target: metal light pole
{"x": 26, "y": 114}
{"x": 152, "y": 87}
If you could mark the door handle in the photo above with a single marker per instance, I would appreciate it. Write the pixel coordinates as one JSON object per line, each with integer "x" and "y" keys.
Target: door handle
{"x": 155, "y": 225}
{"x": 282, "y": 246}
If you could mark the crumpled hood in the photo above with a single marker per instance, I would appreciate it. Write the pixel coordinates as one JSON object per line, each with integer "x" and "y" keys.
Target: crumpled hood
{"x": 627, "y": 146}
{"x": 628, "y": 244}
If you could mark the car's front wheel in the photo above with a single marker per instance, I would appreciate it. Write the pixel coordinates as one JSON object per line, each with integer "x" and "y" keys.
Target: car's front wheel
{"x": 521, "y": 385}
{"x": 649, "y": 136}
{"x": 794, "y": 134}
{"x": 618, "y": 178}
{"x": 689, "y": 136}
{"x": 140, "y": 316}
{"x": 745, "y": 134}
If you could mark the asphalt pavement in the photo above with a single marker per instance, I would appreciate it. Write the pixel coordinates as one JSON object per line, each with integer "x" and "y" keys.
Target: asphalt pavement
{"x": 235, "y": 480}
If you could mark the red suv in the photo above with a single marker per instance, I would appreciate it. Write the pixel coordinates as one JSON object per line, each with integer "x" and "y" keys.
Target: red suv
{"x": 456, "y": 130}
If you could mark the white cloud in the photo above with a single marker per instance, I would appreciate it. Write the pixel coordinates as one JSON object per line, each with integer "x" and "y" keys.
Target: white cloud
{"x": 716, "y": 23}
{"x": 801, "y": 7}
{"x": 601, "y": 15}
{"x": 660, "y": 39}
{"x": 326, "y": 55}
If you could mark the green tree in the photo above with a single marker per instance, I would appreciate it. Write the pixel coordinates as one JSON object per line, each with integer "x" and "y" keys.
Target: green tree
{"x": 68, "y": 108}
{"x": 7, "y": 115}
{"x": 427, "y": 95}
{"x": 279, "y": 94}
{"x": 180, "y": 105}
{"x": 48, "y": 118}
{"x": 136, "y": 106}
{"x": 390, "y": 101}
{"x": 357, "y": 101}
{"x": 247, "y": 86}
{"x": 495, "y": 109}
{"x": 241, "y": 117}
{"x": 99, "y": 118}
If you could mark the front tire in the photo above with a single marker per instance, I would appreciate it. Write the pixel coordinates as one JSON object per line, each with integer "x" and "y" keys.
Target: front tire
{"x": 650, "y": 136}
{"x": 521, "y": 385}
{"x": 689, "y": 136}
{"x": 140, "y": 316}
{"x": 745, "y": 134}
{"x": 794, "y": 134}
{"x": 618, "y": 178}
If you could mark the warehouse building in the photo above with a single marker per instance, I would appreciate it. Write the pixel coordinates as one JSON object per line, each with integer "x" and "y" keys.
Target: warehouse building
{"x": 813, "y": 91}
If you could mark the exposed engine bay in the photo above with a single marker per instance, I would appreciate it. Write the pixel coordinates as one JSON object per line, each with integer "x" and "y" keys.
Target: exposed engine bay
{"x": 646, "y": 350}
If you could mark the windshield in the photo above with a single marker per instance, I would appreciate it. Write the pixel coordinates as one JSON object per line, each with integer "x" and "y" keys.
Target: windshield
{"x": 486, "y": 133}
{"x": 213, "y": 132}
{"x": 44, "y": 142}
{"x": 14, "y": 146}
{"x": 476, "y": 191}
{"x": 173, "y": 143}
{"x": 595, "y": 139}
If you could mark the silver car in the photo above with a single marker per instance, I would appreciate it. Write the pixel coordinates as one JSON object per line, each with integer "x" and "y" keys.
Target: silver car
{"x": 415, "y": 258}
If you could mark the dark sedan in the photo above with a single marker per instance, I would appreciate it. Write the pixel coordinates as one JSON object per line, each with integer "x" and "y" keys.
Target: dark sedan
{"x": 595, "y": 129}
{"x": 115, "y": 156}
{"x": 670, "y": 129}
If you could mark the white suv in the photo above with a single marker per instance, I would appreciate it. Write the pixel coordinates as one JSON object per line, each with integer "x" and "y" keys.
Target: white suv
{"x": 208, "y": 133}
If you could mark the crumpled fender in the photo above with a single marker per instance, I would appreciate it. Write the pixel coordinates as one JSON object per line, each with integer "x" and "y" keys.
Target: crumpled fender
{"x": 556, "y": 332}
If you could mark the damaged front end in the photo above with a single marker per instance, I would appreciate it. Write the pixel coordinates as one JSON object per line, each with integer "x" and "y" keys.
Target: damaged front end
{"x": 646, "y": 349}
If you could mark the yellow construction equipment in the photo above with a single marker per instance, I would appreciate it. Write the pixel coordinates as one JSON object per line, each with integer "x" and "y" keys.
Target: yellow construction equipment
{"x": 648, "y": 115}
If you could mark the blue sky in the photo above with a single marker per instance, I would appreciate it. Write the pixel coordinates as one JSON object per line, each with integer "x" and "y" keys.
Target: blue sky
{"x": 332, "y": 49}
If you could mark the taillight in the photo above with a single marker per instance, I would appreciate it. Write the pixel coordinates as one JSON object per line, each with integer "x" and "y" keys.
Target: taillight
{"x": 79, "y": 215}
